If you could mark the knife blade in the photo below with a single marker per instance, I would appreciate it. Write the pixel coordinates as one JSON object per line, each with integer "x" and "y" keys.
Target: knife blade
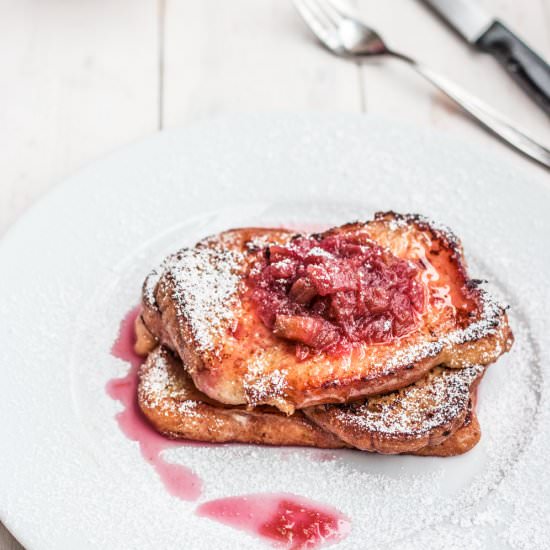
{"x": 488, "y": 34}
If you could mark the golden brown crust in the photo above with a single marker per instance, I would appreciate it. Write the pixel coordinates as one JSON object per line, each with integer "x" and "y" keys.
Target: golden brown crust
{"x": 145, "y": 341}
{"x": 422, "y": 414}
{"x": 173, "y": 405}
{"x": 252, "y": 366}
{"x": 460, "y": 442}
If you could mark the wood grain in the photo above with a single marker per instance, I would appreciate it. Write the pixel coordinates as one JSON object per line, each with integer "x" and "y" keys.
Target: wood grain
{"x": 78, "y": 80}
{"x": 248, "y": 56}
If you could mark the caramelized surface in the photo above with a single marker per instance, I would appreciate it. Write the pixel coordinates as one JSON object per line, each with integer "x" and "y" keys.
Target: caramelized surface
{"x": 199, "y": 305}
{"x": 424, "y": 413}
{"x": 173, "y": 405}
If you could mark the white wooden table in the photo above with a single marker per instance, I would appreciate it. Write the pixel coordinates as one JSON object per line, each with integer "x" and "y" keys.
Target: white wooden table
{"x": 79, "y": 79}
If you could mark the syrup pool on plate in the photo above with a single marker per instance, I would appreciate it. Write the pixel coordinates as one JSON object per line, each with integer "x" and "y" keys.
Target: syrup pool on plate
{"x": 286, "y": 520}
{"x": 179, "y": 480}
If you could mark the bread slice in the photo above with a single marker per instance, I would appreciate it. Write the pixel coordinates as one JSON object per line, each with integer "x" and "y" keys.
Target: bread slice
{"x": 173, "y": 405}
{"x": 198, "y": 304}
{"x": 458, "y": 443}
{"x": 422, "y": 414}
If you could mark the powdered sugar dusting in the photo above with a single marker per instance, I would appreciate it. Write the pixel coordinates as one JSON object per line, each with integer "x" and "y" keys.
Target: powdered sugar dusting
{"x": 416, "y": 409}
{"x": 155, "y": 386}
{"x": 205, "y": 286}
{"x": 264, "y": 387}
{"x": 149, "y": 286}
{"x": 160, "y": 388}
{"x": 487, "y": 324}
{"x": 402, "y": 220}
{"x": 490, "y": 319}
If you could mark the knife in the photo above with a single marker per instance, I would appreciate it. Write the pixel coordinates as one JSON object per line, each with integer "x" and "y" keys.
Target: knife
{"x": 488, "y": 34}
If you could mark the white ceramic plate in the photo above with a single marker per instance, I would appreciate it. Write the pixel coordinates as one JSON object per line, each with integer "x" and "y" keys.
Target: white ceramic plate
{"x": 72, "y": 267}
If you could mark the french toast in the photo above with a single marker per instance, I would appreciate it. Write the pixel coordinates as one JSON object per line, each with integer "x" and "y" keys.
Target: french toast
{"x": 202, "y": 304}
{"x": 422, "y": 414}
{"x": 173, "y": 405}
{"x": 460, "y": 442}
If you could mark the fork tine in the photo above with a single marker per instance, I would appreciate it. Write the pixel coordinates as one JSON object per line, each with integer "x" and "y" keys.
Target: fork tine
{"x": 330, "y": 11}
{"x": 317, "y": 14}
{"x": 337, "y": 9}
{"x": 316, "y": 20}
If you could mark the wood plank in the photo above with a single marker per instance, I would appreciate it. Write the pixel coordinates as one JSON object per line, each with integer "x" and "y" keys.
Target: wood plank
{"x": 78, "y": 79}
{"x": 247, "y": 55}
{"x": 393, "y": 89}
{"x": 7, "y": 541}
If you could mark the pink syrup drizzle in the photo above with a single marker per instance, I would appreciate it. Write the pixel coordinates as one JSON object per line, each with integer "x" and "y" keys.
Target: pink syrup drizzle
{"x": 179, "y": 480}
{"x": 286, "y": 520}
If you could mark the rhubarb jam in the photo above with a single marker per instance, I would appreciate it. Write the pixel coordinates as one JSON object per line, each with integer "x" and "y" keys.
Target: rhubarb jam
{"x": 287, "y": 520}
{"x": 326, "y": 293}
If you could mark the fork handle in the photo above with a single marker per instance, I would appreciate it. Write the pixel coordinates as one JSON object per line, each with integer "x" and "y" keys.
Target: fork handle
{"x": 490, "y": 119}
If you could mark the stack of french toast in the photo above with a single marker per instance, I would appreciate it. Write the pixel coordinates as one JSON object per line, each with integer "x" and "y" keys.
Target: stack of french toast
{"x": 368, "y": 336}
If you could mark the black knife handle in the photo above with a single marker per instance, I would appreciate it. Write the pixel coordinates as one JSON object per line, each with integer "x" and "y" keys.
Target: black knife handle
{"x": 527, "y": 68}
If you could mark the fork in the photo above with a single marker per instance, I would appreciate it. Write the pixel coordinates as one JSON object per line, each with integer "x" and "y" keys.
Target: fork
{"x": 347, "y": 36}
